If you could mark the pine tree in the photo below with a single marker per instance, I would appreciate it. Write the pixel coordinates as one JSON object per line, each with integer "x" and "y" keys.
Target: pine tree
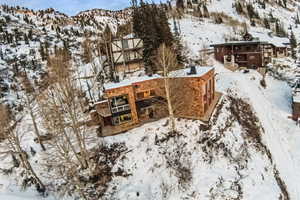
{"x": 279, "y": 29}
{"x": 180, "y": 4}
{"x": 293, "y": 43}
{"x": 205, "y": 11}
{"x": 238, "y": 8}
{"x": 150, "y": 23}
{"x": 26, "y": 38}
{"x": 42, "y": 52}
{"x": 297, "y": 20}
{"x": 266, "y": 23}
{"x": 284, "y": 3}
{"x": 30, "y": 34}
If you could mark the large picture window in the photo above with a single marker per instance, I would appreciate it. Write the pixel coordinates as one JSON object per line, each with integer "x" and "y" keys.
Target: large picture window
{"x": 121, "y": 119}
{"x": 119, "y": 104}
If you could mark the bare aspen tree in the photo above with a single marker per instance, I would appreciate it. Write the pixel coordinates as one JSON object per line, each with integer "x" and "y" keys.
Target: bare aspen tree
{"x": 63, "y": 108}
{"x": 87, "y": 51}
{"x": 13, "y": 138}
{"x": 203, "y": 55}
{"x": 167, "y": 62}
{"x": 64, "y": 117}
{"x": 29, "y": 98}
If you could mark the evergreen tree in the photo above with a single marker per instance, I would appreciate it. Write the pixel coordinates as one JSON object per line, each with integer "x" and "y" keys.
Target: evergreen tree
{"x": 238, "y": 8}
{"x": 30, "y": 34}
{"x": 205, "y": 11}
{"x": 293, "y": 43}
{"x": 297, "y": 20}
{"x": 26, "y": 39}
{"x": 150, "y": 23}
{"x": 266, "y": 23}
{"x": 42, "y": 52}
{"x": 180, "y": 4}
{"x": 279, "y": 30}
{"x": 284, "y": 3}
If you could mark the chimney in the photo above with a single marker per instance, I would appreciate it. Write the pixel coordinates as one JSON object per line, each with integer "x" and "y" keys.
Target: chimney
{"x": 117, "y": 79}
{"x": 193, "y": 70}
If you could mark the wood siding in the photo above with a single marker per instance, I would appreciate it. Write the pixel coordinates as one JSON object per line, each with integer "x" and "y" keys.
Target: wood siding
{"x": 191, "y": 98}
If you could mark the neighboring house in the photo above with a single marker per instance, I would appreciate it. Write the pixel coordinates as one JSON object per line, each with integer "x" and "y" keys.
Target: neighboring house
{"x": 249, "y": 54}
{"x": 296, "y": 101}
{"x": 253, "y": 54}
{"x": 131, "y": 103}
{"x": 127, "y": 54}
{"x": 281, "y": 45}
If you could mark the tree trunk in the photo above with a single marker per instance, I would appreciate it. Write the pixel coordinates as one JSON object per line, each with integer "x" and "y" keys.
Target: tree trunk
{"x": 170, "y": 108}
{"x": 167, "y": 89}
{"x": 36, "y": 130}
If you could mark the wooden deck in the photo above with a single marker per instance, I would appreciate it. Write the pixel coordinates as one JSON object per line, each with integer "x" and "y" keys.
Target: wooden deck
{"x": 114, "y": 130}
{"x": 211, "y": 108}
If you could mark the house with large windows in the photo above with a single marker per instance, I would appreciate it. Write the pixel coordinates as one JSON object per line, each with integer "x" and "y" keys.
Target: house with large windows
{"x": 248, "y": 54}
{"x": 256, "y": 51}
{"x": 133, "y": 102}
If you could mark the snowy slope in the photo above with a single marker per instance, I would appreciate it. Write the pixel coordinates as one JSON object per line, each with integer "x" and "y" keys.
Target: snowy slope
{"x": 222, "y": 160}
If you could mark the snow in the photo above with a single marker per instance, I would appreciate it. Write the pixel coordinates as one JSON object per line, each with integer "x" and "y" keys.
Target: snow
{"x": 200, "y": 71}
{"x": 239, "y": 42}
{"x": 214, "y": 175}
{"x": 130, "y": 81}
{"x": 276, "y": 41}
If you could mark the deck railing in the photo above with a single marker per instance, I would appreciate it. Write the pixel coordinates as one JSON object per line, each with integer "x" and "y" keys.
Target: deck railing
{"x": 120, "y": 108}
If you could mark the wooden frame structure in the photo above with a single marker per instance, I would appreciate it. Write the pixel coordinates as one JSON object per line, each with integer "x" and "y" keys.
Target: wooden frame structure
{"x": 126, "y": 54}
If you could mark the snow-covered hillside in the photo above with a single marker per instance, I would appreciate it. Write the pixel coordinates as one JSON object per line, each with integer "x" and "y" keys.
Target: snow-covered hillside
{"x": 248, "y": 150}
{"x": 29, "y": 37}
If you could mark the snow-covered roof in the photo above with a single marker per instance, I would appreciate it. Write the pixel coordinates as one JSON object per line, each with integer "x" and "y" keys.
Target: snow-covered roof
{"x": 129, "y": 36}
{"x": 276, "y": 41}
{"x": 296, "y": 96}
{"x": 239, "y": 43}
{"x": 130, "y": 81}
{"x": 263, "y": 38}
{"x": 200, "y": 71}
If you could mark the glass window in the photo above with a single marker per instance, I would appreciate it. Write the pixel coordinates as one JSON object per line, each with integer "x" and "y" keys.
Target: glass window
{"x": 152, "y": 92}
{"x": 122, "y": 119}
{"x": 119, "y": 101}
{"x": 126, "y": 56}
{"x": 140, "y": 95}
{"x": 125, "y": 118}
{"x": 125, "y": 44}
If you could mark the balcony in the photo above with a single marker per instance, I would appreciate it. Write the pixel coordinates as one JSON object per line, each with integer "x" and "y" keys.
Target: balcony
{"x": 120, "y": 108}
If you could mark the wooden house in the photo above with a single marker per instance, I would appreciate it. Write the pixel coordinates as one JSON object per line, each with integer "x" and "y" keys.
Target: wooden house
{"x": 127, "y": 54}
{"x": 131, "y": 103}
{"x": 248, "y": 54}
{"x": 296, "y": 101}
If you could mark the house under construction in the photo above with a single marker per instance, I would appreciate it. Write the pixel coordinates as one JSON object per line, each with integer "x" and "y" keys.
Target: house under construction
{"x": 126, "y": 54}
